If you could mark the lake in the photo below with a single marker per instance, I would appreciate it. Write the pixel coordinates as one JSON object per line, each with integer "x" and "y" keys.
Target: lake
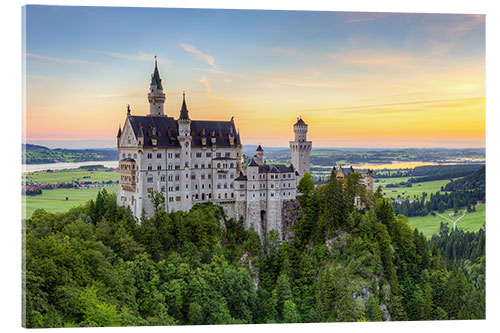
{"x": 61, "y": 166}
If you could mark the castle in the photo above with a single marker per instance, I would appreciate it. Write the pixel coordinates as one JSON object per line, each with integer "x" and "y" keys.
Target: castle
{"x": 195, "y": 161}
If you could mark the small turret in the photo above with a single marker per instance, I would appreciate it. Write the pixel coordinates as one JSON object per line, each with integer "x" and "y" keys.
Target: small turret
{"x": 184, "y": 114}
{"x": 156, "y": 97}
{"x": 259, "y": 154}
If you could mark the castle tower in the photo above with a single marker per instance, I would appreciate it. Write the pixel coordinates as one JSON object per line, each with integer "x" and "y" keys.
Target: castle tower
{"x": 156, "y": 97}
{"x": 369, "y": 180}
{"x": 259, "y": 153}
{"x": 300, "y": 148}
{"x": 185, "y": 138}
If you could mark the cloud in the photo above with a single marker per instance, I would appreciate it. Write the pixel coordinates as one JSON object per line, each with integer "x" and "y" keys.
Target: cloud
{"x": 59, "y": 60}
{"x": 209, "y": 92}
{"x": 363, "y": 17}
{"x": 200, "y": 55}
{"x": 139, "y": 56}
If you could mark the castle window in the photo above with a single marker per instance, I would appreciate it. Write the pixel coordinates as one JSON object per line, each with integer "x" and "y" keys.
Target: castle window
{"x": 163, "y": 188}
{"x": 228, "y": 154}
{"x": 178, "y": 198}
{"x": 158, "y": 155}
{"x": 202, "y": 176}
{"x": 198, "y": 154}
{"x": 218, "y": 196}
{"x": 177, "y": 155}
{"x": 231, "y": 186}
{"x": 218, "y": 165}
{"x": 196, "y": 165}
{"x": 203, "y": 166}
{"x": 208, "y": 154}
{"x": 177, "y": 188}
{"x": 150, "y": 189}
{"x": 177, "y": 177}
{"x": 225, "y": 185}
{"x": 162, "y": 178}
{"x": 193, "y": 177}
{"x": 202, "y": 186}
{"x": 150, "y": 179}
{"x": 150, "y": 167}
{"x": 196, "y": 196}
{"x": 169, "y": 155}
{"x": 195, "y": 187}
{"x": 210, "y": 195}
{"x": 218, "y": 186}
{"x": 242, "y": 195}
{"x": 170, "y": 178}
{"x": 218, "y": 154}
{"x": 225, "y": 195}
{"x": 170, "y": 199}
{"x": 232, "y": 165}
{"x": 170, "y": 188}
{"x": 158, "y": 167}
{"x": 242, "y": 186}
{"x": 209, "y": 176}
{"x": 272, "y": 194}
{"x": 150, "y": 155}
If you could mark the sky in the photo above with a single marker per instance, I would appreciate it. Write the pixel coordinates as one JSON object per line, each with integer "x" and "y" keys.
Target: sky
{"x": 358, "y": 79}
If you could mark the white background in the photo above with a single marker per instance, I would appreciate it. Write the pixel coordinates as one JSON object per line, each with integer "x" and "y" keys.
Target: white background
{"x": 11, "y": 124}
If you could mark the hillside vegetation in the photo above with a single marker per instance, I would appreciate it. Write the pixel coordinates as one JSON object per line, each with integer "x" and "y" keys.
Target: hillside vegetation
{"x": 35, "y": 154}
{"x": 95, "y": 266}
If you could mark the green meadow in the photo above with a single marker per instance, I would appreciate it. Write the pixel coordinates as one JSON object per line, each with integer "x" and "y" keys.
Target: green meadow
{"x": 55, "y": 201}
{"x": 70, "y": 175}
{"x": 415, "y": 191}
{"x": 429, "y": 224}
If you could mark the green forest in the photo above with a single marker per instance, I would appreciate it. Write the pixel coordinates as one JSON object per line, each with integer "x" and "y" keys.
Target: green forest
{"x": 96, "y": 266}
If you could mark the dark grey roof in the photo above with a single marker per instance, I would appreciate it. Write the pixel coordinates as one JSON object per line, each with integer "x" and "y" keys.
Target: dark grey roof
{"x": 241, "y": 177}
{"x": 155, "y": 79}
{"x": 300, "y": 122}
{"x": 218, "y": 129}
{"x": 184, "y": 115}
{"x": 275, "y": 168}
{"x": 259, "y": 148}
{"x": 252, "y": 163}
{"x": 127, "y": 159}
{"x": 168, "y": 125}
{"x": 224, "y": 158}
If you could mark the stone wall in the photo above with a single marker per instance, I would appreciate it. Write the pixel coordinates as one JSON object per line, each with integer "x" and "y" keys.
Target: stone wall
{"x": 290, "y": 213}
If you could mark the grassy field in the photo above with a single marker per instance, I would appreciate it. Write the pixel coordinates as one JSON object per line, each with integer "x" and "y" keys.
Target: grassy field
{"x": 72, "y": 175}
{"x": 55, "y": 201}
{"x": 409, "y": 192}
{"x": 429, "y": 224}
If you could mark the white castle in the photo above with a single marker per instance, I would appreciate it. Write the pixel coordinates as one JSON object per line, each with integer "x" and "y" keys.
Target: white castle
{"x": 195, "y": 161}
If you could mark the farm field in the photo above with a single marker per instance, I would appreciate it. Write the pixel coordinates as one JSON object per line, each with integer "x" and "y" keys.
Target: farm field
{"x": 409, "y": 192}
{"x": 70, "y": 175}
{"x": 429, "y": 224}
{"x": 54, "y": 201}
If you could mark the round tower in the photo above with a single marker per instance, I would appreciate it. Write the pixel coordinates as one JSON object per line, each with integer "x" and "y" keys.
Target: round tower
{"x": 300, "y": 148}
{"x": 156, "y": 97}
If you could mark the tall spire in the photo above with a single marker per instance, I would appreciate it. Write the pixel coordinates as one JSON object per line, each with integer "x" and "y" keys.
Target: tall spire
{"x": 155, "y": 79}
{"x": 184, "y": 110}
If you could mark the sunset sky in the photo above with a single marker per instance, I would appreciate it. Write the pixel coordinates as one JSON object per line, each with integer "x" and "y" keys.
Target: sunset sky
{"x": 358, "y": 79}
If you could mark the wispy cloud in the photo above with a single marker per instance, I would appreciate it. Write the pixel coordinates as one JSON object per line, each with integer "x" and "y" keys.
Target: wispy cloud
{"x": 209, "y": 92}
{"x": 363, "y": 17}
{"x": 199, "y": 54}
{"x": 58, "y": 60}
{"x": 139, "y": 56}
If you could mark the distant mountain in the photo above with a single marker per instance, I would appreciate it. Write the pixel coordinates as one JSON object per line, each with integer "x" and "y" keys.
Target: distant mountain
{"x": 36, "y": 154}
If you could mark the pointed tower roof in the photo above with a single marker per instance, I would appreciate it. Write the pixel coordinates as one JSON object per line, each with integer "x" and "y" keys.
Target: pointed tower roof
{"x": 155, "y": 78}
{"x": 119, "y": 131}
{"x": 259, "y": 148}
{"x": 184, "y": 110}
{"x": 300, "y": 121}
